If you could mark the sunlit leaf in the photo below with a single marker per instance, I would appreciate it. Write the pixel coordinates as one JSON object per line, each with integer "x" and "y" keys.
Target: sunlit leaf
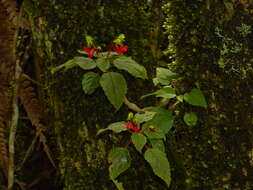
{"x": 131, "y": 66}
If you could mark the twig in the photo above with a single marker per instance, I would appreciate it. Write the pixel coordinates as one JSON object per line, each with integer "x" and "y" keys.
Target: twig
{"x": 13, "y": 127}
{"x": 136, "y": 108}
{"x": 15, "y": 113}
{"x": 132, "y": 106}
{"x": 174, "y": 105}
{"x": 43, "y": 140}
{"x": 162, "y": 103}
{"x": 30, "y": 149}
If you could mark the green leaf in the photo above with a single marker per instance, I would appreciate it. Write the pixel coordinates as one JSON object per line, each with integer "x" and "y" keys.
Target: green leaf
{"x": 143, "y": 117}
{"x": 85, "y": 63}
{"x": 180, "y": 98}
{"x": 118, "y": 185}
{"x": 116, "y": 127}
{"x": 139, "y": 141}
{"x": 90, "y": 82}
{"x": 115, "y": 88}
{"x": 190, "y": 119}
{"x": 120, "y": 161}
{"x": 196, "y": 98}
{"x": 166, "y": 92}
{"x": 158, "y": 144}
{"x": 159, "y": 163}
{"x": 164, "y": 76}
{"x": 163, "y": 120}
{"x": 67, "y": 65}
{"x": 155, "y": 81}
{"x": 131, "y": 66}
{"x": 103, "y": 64}
{"x": 153, "y": 133}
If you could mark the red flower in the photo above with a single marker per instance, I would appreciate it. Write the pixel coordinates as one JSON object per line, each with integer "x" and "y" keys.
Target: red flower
{"x": 121, "y": 49}
{"x": 90, "y": 51}
{"x": 132, "y": 127}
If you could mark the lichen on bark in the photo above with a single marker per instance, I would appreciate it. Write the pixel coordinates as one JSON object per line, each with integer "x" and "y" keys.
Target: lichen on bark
{"x": 216, "y": 151}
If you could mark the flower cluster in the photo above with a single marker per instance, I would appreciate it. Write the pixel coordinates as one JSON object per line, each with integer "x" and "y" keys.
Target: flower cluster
{"x": 90, "y": 51}
{"x": 133, "y": 128}
{"x": 119, "y": 49}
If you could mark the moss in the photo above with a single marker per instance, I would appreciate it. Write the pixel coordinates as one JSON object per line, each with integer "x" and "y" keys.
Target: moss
{"x": 214, "y": 151}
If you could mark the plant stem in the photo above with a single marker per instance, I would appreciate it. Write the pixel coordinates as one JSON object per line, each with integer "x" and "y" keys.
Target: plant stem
{"x": 132, "y": 106}
{"x": 13, "y": 127}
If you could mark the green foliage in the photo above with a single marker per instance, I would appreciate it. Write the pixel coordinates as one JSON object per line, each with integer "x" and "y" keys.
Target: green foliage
{"x": 113, "y": 84}
{"x": 89, "y": 40}
{"x": 162, "y": 120}
{"x": 67, "y": 65}
{"x": 116, "y": 127}
{"x": 118, "y": 185}
{"x": 85, "y": 63}
{"x": 190, "y": 119}
{"x": 196, "y": 98}
{"x": 115, "y": 88}
{"x": 152, "y": 133}
{"x": 139, "y": 141}
{"x": 103, "y": 64}
{"x": 155, "y": 124}
{"x": 90, "y": 82}
{"x": 166, "y": 92}
{"x": 120, "y": 161}
{"x": 158, "y": 144}
{"x": 163, "y": 76}
{"x": 143, "y": 117}
{"x": 159, "y": 163}
{"x": 129, "y": 65}
{"x": 120, "y": 39}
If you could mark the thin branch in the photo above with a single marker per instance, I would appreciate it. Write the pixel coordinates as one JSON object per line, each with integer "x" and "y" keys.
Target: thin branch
{"x": 132, "y": 106}
{"x": 13, "y": 127}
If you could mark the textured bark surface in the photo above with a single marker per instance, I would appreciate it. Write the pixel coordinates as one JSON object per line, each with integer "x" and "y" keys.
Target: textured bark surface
{"x": 8, "y": 17}
{"x": 58, "y": 30}
{"x": 211, "y": 45}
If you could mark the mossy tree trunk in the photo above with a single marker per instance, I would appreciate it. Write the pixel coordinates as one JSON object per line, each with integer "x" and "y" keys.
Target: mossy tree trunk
{"x": 57, "y": 31}
{"x": 210, "y": 45}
